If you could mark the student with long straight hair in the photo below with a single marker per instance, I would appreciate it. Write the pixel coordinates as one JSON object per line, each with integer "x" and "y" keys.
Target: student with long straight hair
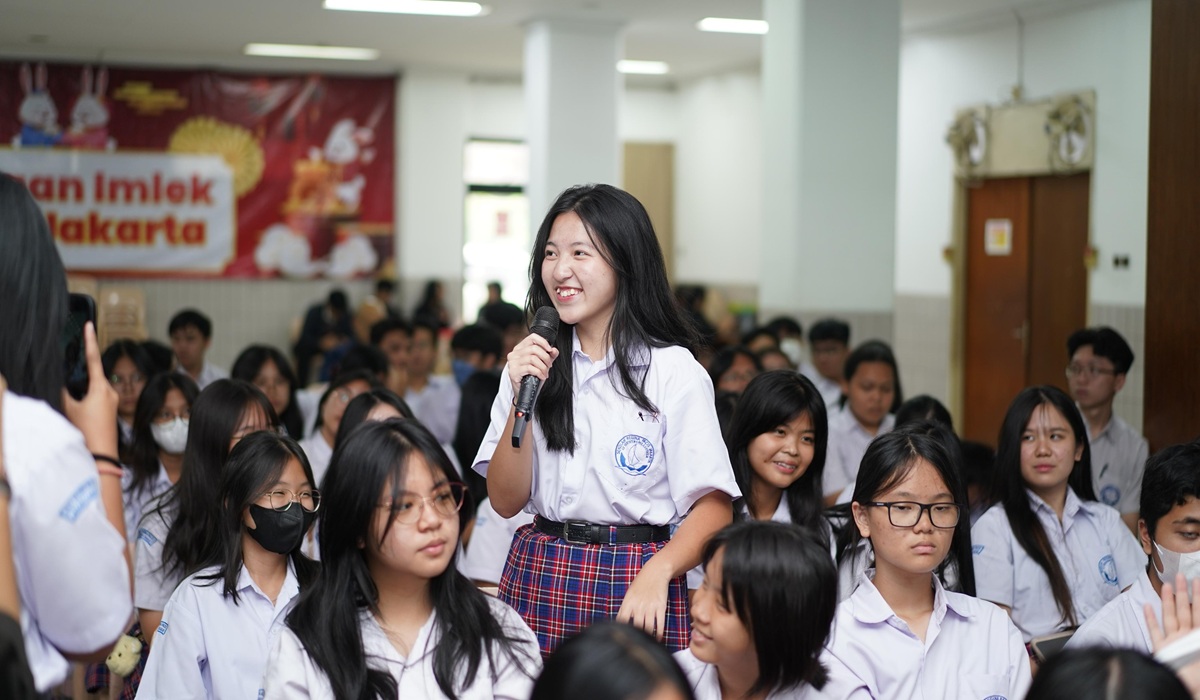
{"x": 155, "y": 456}
{"x": 623, "y": 441}
{"x": 222, "y": 621}
{"x": 127, "y": 367}
{"x": 268, "y": 369}
{"x": 332, "y": 405}
{"x": 1047, "y": 550}
{"x": 583, "y": 668}
{"x": 872, "y": 397}
{"x": 178, "y": 532}
{"x": 902, "y": 634}
{"x": 390, "y": 616}
{"x": 763, "y": 614}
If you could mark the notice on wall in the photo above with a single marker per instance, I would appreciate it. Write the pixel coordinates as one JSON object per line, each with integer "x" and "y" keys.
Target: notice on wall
{"x": 997, "y": 237}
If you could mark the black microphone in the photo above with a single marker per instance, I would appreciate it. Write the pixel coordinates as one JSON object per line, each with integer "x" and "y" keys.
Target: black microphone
{"x": 545, "y": 324}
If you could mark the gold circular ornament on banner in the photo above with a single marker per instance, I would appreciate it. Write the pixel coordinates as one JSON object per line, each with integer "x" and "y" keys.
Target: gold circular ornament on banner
{"x": 235, "y": 144}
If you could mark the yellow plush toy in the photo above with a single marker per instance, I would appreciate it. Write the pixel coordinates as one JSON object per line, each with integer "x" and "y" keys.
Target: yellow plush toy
{"x": 124, "y": 656}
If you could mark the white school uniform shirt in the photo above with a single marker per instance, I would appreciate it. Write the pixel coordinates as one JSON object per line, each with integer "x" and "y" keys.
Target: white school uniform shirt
{"x": 1118, "y": 460}
{"x": 209, "y": 647}
{"x": 971, "y": 649}
{"x": 1096, "y": 551}
{"x": 1122, "y": 624}
{"x": 631, "y": 466}
{"x": 705, "y": 684}
{"x": 491, "y": 538}
{"x": 319, "y": 453}
{"x": 292, "y": 675}
{"x": 136, "y": 502}
{"x": 830, "y": 390}
{"x": 209, "y": 373}
{"x": 436, "y": 406}
{"x": 152, "y": 583}
{"x": 69, "y": 560}
{"x": 848, "y": 442}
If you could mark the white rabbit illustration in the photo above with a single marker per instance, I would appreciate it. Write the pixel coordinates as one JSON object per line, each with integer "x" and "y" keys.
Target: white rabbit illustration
{"x": 345, "y": 147}
{"x": 39, "y": 116}
{"x": 89, "y": 115}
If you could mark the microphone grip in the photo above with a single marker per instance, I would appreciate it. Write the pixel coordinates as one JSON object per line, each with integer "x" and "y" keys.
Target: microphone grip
{"x": 524, "y": 406}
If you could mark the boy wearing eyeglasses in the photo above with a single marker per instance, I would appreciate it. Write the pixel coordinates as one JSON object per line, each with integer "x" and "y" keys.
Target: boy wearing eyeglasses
{"x": 1099, "y": 359}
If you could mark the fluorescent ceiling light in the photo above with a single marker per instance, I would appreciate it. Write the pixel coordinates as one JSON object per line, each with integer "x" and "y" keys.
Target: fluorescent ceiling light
{"x": 445, "y": 8}
{"x": 344, "y": 53}
{"x": 732, "y": 26}
{"x": 643, "y": 67}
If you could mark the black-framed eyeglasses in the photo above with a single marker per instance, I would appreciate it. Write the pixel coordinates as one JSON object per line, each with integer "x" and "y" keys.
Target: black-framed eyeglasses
{"x": 908, "y": 513}
{"x": 446, "y": 500}
{"x": 1089, "y": 371}
{"x": 282, "y": 499}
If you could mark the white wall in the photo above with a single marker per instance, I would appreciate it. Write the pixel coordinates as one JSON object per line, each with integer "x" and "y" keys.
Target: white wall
{"x": 1103, "y": 47}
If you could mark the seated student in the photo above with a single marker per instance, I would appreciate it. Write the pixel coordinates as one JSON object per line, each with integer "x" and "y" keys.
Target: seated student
{"x": 1099, "y": 360}
{"x": 1170, "y": 536}
{"x": 732, "y": 369}
{"x": 1047, "y": 550}
{"x": 508, "y": 320}
{"x": 191, "y": 334}
{"x": 222, "y": 621}
{"x": 774, "y": 358}
{"x": 340, "y": 392}
{"x": 583, "y": 667}
{"x": 491, "y": 539}
{"x": 901, "y": 634}
{"x": 162, "y": 357}
{"x": 127, "y": 368}
{"x": 326, "y": 333}
{"x": 433, "y": 398}
{"x": 390, "y": 616}
{"x": 393, "y": 337}
{"x": 375, "y": 307}
{"x": 791, "y": 338}
{"x": 759, "y": 339}
{"x": 873, "y": 394}
{"x": 160, "y": 430}
{"x": 1111, "y": 674}
{"x": 978, "y": 463}
{"x": 829, "y": 345}
{"x": 475, "y": 348}
{"x": 268, "y": 369}
{"x": 762, "y": 616}
{"x": 474, "y": 417}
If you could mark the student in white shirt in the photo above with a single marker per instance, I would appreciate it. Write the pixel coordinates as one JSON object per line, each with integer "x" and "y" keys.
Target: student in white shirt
{"x": 178, "y": 531}
{"x": 268, "y": 369}
{"x": 829, "y": 345}
{"x": 191, "y": 334}
{"x": 762, "y": 616}
{"x": 902, "y": 634}
{"x": 612, "y": 661}
{"x": 340, "y": 392}
{"x": 434, "y": 398}
{"x": 1047, "y": 550}
{"x": 390, "y": 616}
{"x": 127, "y": 367}
{"x": 873, "y": 394}
{"x": 1169, "y": 530}
{"x": 221, "y": 622}
{"x": 155, "y": 457}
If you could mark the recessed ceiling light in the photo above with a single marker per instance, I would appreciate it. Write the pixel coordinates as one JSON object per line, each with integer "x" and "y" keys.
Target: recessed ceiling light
{"x": 445, "y": 8}
{"x": 343, "y": 53}
{"x": 643, "y": 67}
{"x": 732, "y": 26}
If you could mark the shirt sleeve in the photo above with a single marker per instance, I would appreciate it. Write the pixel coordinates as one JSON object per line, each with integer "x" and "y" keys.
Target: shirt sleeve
{"x": 991, "y": 540}
{"x": 152, "y": 585}
{"x": 290, "y": 674}
{"x": 1020, "y": 673}
{"x": 175, "y": 667}
{"x": 514, "y": 681}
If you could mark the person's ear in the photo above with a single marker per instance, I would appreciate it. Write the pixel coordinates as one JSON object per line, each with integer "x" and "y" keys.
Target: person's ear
{"x": 860, "y": 519}
{"x": 1144, "y": 537}
{"x": 1118, "y": 382}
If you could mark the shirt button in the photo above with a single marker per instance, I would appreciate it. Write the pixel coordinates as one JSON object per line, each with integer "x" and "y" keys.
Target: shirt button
{"x": 568, "y": 499}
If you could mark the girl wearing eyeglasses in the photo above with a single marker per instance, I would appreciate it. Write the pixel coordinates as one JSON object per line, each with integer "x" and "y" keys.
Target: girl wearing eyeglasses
{"x": 220, "y": 624}
{"x": 902, "y": 634}
{"x": 340, "y": 392}
{"x": 1047, "y": 549}
{"x": 390, "y": 616}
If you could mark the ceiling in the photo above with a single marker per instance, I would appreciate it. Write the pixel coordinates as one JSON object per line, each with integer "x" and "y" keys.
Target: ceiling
{"x": 211, "y": 33}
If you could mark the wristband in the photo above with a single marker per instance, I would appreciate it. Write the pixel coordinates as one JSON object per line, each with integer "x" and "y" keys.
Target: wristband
{"x": 108, "y": 466}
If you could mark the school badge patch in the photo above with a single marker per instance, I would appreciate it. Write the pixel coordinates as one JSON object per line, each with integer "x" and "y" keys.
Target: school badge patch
{"x": 634, "y": 454}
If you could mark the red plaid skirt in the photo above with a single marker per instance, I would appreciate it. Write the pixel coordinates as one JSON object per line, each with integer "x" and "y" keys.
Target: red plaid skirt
{"x": 559, "y": 588}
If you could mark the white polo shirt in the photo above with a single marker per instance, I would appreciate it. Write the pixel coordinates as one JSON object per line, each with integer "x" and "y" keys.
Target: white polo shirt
{"x": 436, "y": 406}
{"x": 291, "y": 673}
{"x": 1122, "y": 623}
{"x": 707, "y": 686}
{"x": 208, "y": 647}
{"x": 971, "y": 649}
{"x": 152, "y": 584}
{"x": 630, "y": 466}
{"x": 1119, "y": 456}
{"x": 848, "y": 442}
{"x": 69, "y": 560}
{"x": 136, "y": 501}
{"x": 1097, "y": 553}
{"x": 830, "y": 390}
{"x": 209, "y": 373}
{"x": 491, "y": 538}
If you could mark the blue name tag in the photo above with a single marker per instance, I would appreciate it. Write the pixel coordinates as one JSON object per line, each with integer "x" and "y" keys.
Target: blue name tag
{"x": 87, "y": 492}
{"x": 162, "y": 628}
{"x": 146, "y": 536}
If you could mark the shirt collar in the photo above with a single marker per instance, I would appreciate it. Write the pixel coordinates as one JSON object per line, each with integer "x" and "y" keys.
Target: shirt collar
{"x": 287, "y": 591}
{"x": 1070, "y": 508}
{"x": 637, "y": 358}
{"x": 869, "y": 607}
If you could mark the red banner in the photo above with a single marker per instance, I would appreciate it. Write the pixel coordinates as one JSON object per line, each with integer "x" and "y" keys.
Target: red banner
{"x": 161, "y": 172}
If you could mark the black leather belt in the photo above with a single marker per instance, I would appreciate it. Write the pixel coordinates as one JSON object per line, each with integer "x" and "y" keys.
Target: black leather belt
{"x": 581, "y": 532}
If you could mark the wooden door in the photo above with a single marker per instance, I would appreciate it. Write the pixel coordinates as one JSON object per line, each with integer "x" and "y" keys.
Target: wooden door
{"x": 1024, "y": 295}
{"x": 649, "y": 175}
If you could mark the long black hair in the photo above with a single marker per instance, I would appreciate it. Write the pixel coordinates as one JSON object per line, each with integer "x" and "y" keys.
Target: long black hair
{"x": 192, "y": 501}
{"x": 250, "y": 362}
{"x": 360, "y": 407}
{"x": 773, "y": 399}
{"x": 1008, "y": 485}
{"x": 610, "y": 661}
{"x": 254, "y": 465}
{"x": 780, "y": 582}
{"x": 1111, "y": 674}
{"x": 33, "y": 287}
{"x": 645, "y": 315}
{"x": 890, "y": 458}
{"x": 143, "y": 451}
{"x": 373, "y": 459}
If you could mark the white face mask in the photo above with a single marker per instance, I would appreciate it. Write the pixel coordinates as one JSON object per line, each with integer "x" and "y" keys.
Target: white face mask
{"x": 793, "y": 349}
{"x": 1187, "y": 564}
{"x": 171, "y": 437}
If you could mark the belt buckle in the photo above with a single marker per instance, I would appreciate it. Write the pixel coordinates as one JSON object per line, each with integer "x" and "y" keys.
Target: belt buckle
{"x": 581, "y": 527}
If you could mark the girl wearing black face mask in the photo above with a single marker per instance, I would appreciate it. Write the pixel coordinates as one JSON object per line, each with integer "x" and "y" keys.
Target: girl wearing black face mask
{"x": 218, "y": 626}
